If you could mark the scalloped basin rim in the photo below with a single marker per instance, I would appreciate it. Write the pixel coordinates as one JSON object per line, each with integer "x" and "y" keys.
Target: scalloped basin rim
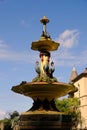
{"x": 44, "y": 89}
{"x": 47, "y": 83}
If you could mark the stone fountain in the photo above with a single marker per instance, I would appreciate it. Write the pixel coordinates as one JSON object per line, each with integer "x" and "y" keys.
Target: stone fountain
{"x": 44, "y": 90}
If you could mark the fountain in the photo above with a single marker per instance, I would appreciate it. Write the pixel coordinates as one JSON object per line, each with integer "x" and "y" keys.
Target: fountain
{"x": 44, "y": 90}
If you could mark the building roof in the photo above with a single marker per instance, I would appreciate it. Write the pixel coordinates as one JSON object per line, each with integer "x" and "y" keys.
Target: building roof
{"x": 83, "y": 74}
{"x": 74, "y": 74}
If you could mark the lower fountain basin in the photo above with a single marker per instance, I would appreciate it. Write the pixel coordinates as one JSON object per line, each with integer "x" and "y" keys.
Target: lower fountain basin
{"x": 43, "y": 114}
{"x": 43, "y": 90}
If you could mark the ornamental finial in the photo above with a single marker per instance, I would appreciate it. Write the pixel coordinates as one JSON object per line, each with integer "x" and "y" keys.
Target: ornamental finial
{"x": 44, "y": 20}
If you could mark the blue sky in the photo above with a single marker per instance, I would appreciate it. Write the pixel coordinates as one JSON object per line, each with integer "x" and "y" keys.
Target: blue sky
{"x": 20, "y": 26}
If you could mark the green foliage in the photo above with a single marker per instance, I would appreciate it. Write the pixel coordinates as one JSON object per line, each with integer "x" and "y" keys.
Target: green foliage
{"x": 7, "y": 124}
{"x": 8, "y": 120}
{"x": 13, "y": 114}
{"x": 44, "y": 78}
{"x": 70, "y": 106}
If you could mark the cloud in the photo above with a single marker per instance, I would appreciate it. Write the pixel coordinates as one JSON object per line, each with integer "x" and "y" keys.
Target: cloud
{"x": 65, "y": 58}
{"x": 68, "y": 38}
{"x": 81, "y": 59}
{"x": 62, "y": 57}
{"x": 24, "y": 23}
{"x": 8, "y": 54}
{"x": 27, "y": 23}
{"x": 2, "y": 44}
{"x": 2, "y": 114}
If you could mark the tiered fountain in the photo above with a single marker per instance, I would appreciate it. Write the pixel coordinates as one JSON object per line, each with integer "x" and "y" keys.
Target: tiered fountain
{"x": 44, "y": 89}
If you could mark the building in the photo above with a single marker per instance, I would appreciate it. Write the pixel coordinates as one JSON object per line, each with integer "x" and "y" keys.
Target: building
{"x": 80, "y": 81}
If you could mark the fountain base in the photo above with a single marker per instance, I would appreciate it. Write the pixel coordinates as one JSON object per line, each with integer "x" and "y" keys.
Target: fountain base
{"x": 47, "y": 121}
{"x": 43, "y": 115}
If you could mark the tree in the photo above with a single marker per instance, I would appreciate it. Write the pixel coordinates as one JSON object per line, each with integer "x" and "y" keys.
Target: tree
{"x": 9, "y": 120}
{"x": 71, "y": 107}
{"x": 7, "y": 124}
{"x": 13, "y": 114}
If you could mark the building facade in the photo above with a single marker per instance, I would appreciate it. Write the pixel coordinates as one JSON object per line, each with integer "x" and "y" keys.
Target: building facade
{"x": 80, "y": 81}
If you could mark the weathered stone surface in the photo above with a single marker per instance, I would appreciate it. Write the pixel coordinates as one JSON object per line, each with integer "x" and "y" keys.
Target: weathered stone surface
{"x": 45, "y": 122}
{"x": 44, "y": 90}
